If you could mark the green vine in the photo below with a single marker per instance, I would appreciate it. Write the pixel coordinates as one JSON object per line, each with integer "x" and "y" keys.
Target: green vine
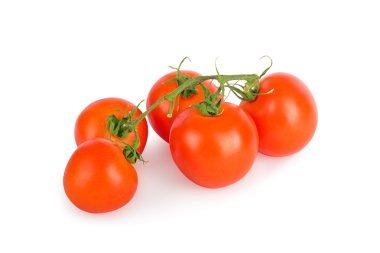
{"x": 245, "y": 87}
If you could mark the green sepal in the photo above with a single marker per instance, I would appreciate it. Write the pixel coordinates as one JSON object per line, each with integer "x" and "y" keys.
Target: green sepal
{"x": 121, "y": 128}
{"x": 131, "y": 154}
{"x": 210, "y": 106}
{"x": 111, "y": 125}
{"x": 181, "y": 78}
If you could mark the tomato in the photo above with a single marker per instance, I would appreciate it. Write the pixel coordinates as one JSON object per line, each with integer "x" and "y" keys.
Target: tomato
{"x": 98, "y": 178}
{"x": 92, "y": 120}
{"x": 214, "y": 151}
{"x": 286, "y": 119}
{"x": 158, "y": 117}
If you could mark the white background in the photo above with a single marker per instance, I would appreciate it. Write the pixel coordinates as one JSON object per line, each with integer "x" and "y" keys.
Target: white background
{"x": 58, "y": 56}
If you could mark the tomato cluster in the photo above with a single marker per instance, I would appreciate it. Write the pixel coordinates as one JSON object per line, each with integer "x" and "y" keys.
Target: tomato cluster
{"x": 214, "y": 143}
{"x": 98, "y": 178}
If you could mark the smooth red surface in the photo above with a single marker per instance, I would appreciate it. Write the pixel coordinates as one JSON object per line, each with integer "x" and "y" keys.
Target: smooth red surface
{"x": 98, "y": 178}
{"x": 91, "y": 122}
{"x": 287, "y": 118}
{"x": 214, "y": 151}
{"x": 158, "y": 117}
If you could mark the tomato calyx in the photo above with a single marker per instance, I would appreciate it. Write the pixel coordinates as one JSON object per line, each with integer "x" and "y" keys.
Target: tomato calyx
{"x": 251, "y": 88}
{"x": 118, "y": 127}
{"x": 121, "y": 128}
{"x": 130, "y": 151}
{"x": 210, "y": 106}
{"x": 182, "y": 78}
{"x": 248, "y": 91}
{"x": 132, "y": 155}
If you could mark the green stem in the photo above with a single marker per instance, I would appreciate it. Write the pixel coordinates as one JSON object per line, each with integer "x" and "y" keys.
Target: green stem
{"x": 195, "y": 80}
{"x": 210, "y": 106}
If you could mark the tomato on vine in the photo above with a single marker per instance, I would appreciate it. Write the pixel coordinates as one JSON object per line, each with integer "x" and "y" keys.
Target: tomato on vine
{"x": 214, "y": 151}
{"x": 98, "y": 178}
{"x": 93, "y": 120}
{"x": 286, "y": 119}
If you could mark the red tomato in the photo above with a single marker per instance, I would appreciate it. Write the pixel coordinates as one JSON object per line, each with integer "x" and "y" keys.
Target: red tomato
{"x": 214, "y": 151}
{"x": 287, "y": 118}
{"x": 98, "y": 178}
{"x": 92, "y": 121}
{"x": 158, "y": 117}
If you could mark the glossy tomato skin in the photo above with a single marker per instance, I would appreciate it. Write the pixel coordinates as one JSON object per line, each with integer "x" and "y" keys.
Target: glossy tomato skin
{"x": 214, "y": 151}
{"x": 158, "y": 117}
{"x": 98, "y": 178}
{"x": 91, "y": 122}
{"x": 287, "y": 118}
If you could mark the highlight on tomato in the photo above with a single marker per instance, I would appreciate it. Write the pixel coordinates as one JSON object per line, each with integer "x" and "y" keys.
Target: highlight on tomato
{"x": 98, "y": 178}
{"x": 214, "y": 151}
{"x": 286, "y": 117}
{"x": 158, "y": 118}
{"x": 92, "y": 122}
